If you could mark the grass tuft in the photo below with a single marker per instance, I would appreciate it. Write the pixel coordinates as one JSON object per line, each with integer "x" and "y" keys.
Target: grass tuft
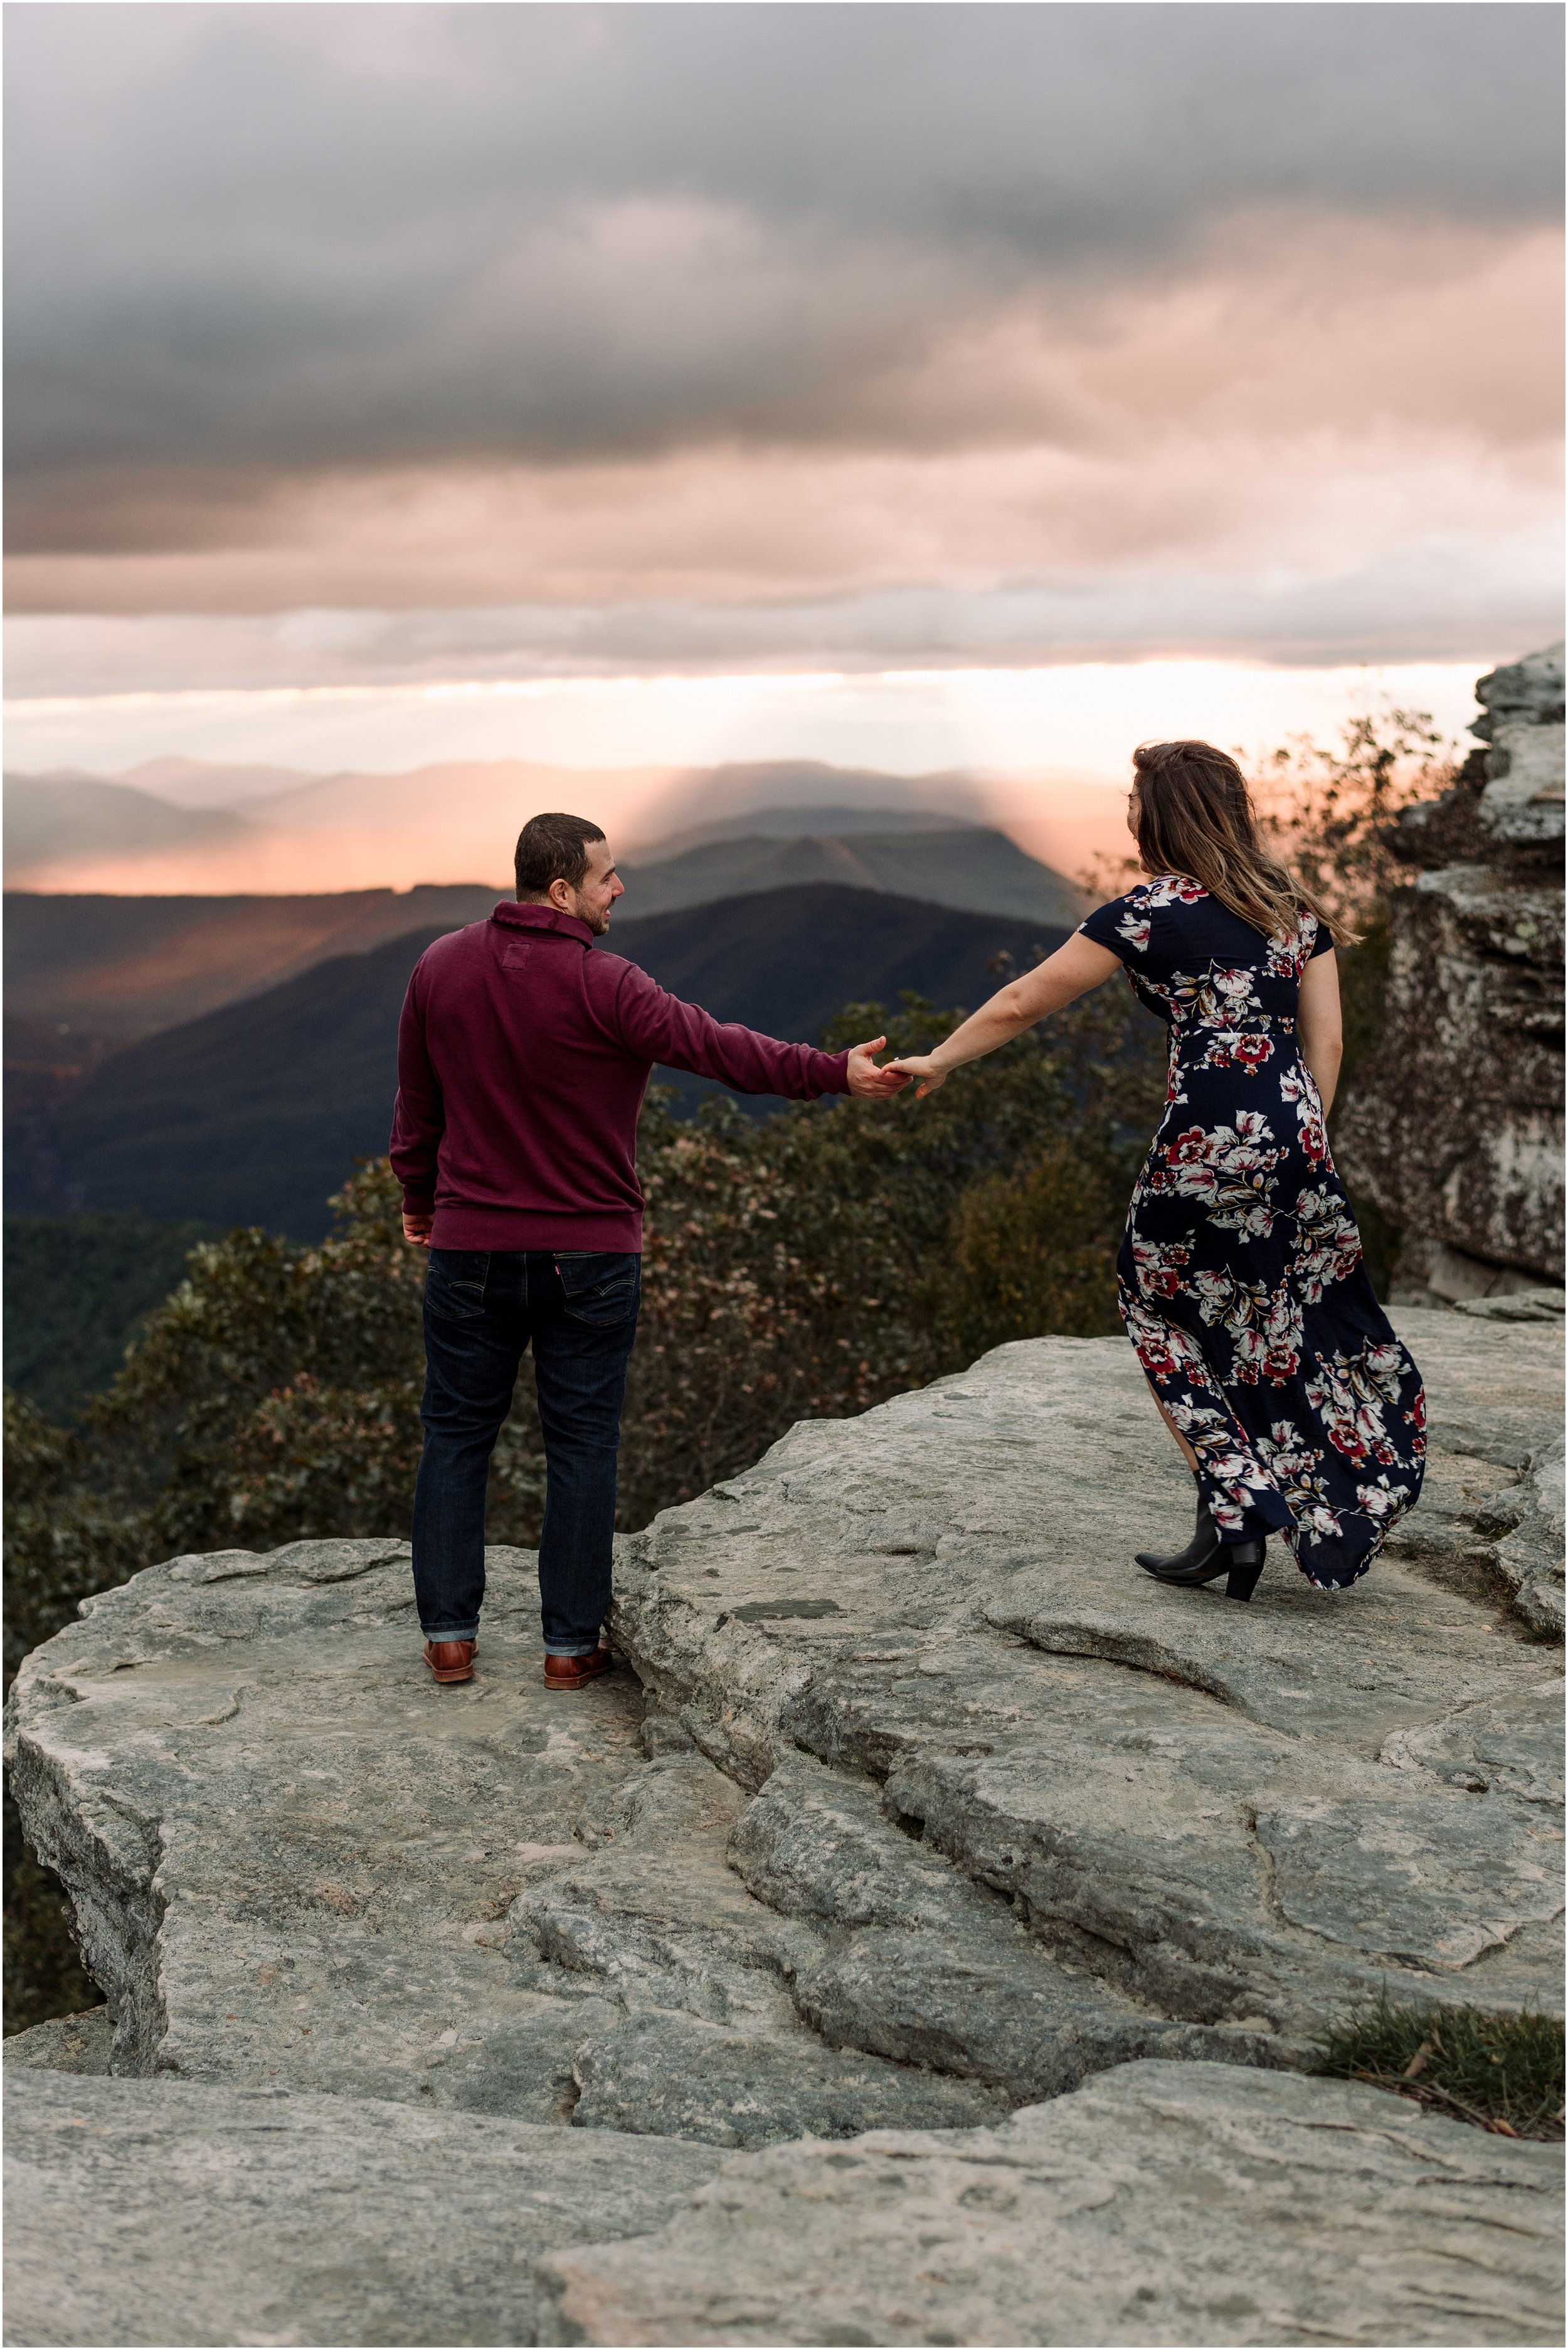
{"x": 1501, "y": 2073}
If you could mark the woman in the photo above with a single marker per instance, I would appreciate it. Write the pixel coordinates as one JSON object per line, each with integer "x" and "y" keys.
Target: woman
{"x": 1240, "y": 1278}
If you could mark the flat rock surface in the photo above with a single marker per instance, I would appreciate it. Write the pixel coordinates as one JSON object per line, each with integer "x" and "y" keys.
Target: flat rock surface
{"x": 155, "y": 2212}
{"x": 1159, "y": 2203}
{"x": 932, "y": 1804}
{"x": 1239, "y": 1817}
{"x": 922, "y": 1805}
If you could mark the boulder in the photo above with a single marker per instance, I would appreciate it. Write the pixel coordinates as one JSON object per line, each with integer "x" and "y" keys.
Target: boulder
{"x": 1195, "y": 1804}
{"x": 1455, "y": 1129}
{"x": 1522, "y": 722}
{"x": 66, "y": 2044}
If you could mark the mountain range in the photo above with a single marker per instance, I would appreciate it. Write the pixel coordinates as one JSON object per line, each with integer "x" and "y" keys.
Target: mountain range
{"x": 89, "y": 972}
{"x": 455, "y": 820}
{"x": 111, "y": 970}
{"x": 256, "y": 1111}
{"x": 977, "y": 871}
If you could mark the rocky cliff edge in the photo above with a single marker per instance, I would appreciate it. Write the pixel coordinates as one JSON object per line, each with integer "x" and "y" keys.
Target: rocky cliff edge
{"x": 931, "y": 1894}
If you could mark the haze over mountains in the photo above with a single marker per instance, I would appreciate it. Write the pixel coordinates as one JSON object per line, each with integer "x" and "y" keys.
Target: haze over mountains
{"x": 59, "y": 826}
{"x": 183, "y": 827}
{"x": 115, "y": 970}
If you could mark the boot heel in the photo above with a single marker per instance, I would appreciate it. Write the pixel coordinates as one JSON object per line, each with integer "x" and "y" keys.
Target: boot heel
{"x": 1247, "y": 1565}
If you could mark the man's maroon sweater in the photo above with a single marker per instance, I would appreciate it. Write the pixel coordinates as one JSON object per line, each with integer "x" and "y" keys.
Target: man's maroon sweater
{"x": 523, "y": 1058}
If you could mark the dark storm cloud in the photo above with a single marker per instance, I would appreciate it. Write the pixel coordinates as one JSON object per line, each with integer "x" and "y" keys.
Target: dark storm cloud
{"x": 245, "y": 243}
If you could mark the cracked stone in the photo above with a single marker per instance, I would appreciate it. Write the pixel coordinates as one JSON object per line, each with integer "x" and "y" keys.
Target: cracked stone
{"x": 917, "y": 1805}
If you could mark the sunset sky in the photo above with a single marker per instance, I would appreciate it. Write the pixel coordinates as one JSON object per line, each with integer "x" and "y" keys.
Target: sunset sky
{"x": 907, "y": 386}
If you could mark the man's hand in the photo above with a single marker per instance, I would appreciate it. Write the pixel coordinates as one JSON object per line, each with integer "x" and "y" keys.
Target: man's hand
{"x": 417, "y": 1229}
{"x": 867, "y": 1081}
{"x": 922, "y": 1066}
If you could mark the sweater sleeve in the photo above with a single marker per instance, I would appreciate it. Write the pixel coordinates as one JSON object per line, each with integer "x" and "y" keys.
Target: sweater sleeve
{"x": 419, "y": 1114}
{"x": 659, "y": 1027}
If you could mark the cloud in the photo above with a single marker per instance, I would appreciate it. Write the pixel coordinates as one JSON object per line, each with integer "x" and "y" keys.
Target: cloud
{"x": 361, "y": 347}
{"x": 1460, "y": 597}
{"x": 252, "y": 242}
{"x": 1307, "y": 398}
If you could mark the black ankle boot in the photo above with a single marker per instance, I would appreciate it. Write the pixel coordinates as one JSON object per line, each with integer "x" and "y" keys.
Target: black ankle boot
{"x": 1207, "y": 1557}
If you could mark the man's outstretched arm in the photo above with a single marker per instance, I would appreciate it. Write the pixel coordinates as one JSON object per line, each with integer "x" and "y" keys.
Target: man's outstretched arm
{"x": 419, "y": 1121}
{"x": 659, "y": 1027}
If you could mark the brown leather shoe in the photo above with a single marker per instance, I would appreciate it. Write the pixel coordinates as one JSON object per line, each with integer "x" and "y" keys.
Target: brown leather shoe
{"x": 450, "y": 1660}
{"x": 571, "y": 1672}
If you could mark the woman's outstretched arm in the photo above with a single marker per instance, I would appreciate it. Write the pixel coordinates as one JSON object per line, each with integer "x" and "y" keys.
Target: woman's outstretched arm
{"x": 1320, "y": 1024}
{"x": 1063, "y": 976}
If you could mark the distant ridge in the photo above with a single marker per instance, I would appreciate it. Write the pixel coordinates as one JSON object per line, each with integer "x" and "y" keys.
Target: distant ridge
{"x": 798, "y": 824}
{"x": 186, "y": 828}
{"x": 121, "y": 968}
{"x": 204, "y": 783}
{"x": 795, "y": 792}
{"x": 967, "y": 868}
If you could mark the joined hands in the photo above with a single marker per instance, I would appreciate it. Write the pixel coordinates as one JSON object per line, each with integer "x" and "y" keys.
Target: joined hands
{"x": 922, "y": 1066}
{"x": 867, "y": 1081}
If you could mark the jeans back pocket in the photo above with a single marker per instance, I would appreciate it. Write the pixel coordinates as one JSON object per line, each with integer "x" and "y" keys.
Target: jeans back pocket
{"x": 454, "y": 1285}
{"x": 600, "y": 1288}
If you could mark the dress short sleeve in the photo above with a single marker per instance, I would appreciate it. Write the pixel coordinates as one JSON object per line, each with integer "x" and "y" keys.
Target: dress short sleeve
{"x": 1122, "y": 926}
{"x": 1322, "y": 943}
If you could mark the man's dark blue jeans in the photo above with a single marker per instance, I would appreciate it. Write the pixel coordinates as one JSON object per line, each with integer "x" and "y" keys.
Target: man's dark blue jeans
{"x": 482, "y": 1310}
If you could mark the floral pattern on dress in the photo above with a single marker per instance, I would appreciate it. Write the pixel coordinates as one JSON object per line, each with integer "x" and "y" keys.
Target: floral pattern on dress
{"x": 1242, "y": 1280}
{"x": 1229, "y": 1168}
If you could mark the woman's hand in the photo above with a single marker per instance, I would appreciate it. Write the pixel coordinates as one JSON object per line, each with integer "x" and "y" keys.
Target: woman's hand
{"x": 1062, "y": 977}
{"x": 924, "y": 1066}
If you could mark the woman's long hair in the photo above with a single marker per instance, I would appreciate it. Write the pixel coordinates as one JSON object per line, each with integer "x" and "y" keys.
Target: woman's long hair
{"x": 1195, "y": 816}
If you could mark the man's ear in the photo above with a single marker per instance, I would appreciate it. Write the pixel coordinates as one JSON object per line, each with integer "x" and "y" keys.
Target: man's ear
{"x": 560, "y": 894}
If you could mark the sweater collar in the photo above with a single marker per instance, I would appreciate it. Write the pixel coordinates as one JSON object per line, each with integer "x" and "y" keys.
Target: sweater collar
{"x": 514, "y": 917}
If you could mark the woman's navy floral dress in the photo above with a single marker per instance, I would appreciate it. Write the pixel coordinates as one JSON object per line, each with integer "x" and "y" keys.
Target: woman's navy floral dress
{"x": 1240, "y": 1277}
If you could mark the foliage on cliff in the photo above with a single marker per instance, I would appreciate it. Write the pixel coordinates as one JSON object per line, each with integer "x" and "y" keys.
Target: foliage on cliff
{"x": 1329, "y": 812}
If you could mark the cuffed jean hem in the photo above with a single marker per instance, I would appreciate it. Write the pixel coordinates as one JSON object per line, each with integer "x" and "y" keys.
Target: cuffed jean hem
{"x": 556, "y": 1648}
{"x": 452, "y": 1631}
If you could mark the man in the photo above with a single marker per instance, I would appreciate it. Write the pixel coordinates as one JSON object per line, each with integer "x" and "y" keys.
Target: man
{"x": 523, "y": 1059}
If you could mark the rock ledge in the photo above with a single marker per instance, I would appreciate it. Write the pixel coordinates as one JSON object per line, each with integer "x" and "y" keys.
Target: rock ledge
{"x": 918, "y": 1807}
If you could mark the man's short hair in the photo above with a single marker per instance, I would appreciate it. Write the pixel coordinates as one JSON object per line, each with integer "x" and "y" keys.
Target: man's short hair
{"x": 553, "y": 848}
